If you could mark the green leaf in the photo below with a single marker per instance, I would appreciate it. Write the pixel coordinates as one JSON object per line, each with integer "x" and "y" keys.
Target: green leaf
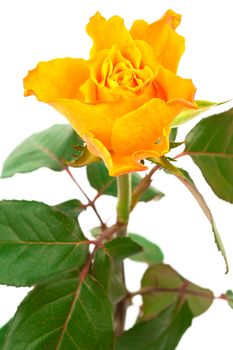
{"x": 37, "y": 241}
{"x": 71, "y": 208}
{"x": 122, "y": 247}
{"x": 48, "y": 148}
{"x": 107, "y": 265}
{"x": 162, "y": 332}
{"x": 229, "y": 297}
{"x": 117, "y": 288}
{"x": 99, "y": 179}
{"x": 210, "y": 144}
{"x": 189, "y": 114}
{"x": 3, "y": 333}
{"x": 102, "y": 269}
{"x": 108, "y": 273}
{"x": 151, "y": 253}
{"x": 162, "y": 286}
{"x": 65, "y": 314}
{"x": 170, "y": 302}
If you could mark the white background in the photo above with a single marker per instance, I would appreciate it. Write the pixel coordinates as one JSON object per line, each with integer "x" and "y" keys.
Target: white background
{"x": 32, "y": 31}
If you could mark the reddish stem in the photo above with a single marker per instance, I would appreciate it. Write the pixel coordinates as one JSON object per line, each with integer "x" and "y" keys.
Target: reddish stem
{"x": 90, "y": 202}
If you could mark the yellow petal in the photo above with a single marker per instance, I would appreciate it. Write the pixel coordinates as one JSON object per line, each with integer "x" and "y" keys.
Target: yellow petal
{"x": 171, "y": 86}
{"x": 116, "y": 165}
{"x": 58, "y": 78}
{"x": 97, "y": 148}
{"x": 168, "y": 46}
{"x": 125, "y": 165}
{"x": 143, "y": 128}
{"x": 96, "y": 119}
{"x": 106, "y": 33}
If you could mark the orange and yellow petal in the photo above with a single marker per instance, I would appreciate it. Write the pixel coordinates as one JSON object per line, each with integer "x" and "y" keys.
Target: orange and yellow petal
{"x": 168, "y": 46}
{"x": 96, "y": 119}
{"x": 97, "y": 148}
{"x": 58, "y": 78}
{"x": 116, "y": 165}
{"x": 171, "y": 86}
{"x": 106, "y": 33}
{"x": 85, "y": 118}
{"x": 144, "y": 128}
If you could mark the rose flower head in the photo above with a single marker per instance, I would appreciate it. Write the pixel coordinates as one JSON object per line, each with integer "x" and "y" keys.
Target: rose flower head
{"x": 122, "y": 100}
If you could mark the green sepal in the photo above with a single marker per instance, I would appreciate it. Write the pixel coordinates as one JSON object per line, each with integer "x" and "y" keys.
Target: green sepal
{"x": 173, "y": 134}
{"x": 189, "y": 114}
{"x": 165, "y": 164}
{"x": 175, "y": 144}
{"x": 83, "y": 159}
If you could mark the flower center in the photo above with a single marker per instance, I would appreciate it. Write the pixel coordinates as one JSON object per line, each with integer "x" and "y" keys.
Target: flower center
{"x": 119, "y": 72}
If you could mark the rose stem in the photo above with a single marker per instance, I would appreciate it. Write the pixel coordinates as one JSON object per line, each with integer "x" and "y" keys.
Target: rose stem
{"x": 123, "y": 212}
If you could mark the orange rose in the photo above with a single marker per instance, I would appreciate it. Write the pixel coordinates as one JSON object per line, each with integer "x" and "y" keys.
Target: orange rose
{"x": 122, "y": 100}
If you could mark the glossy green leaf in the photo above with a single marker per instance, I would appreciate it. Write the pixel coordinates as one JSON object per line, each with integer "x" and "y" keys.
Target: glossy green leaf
{"x": 99, "y": 179}
{"x": 71, "y": 208}
{"x": 123, "y": 247}
{"x": 107, "y": 272}
{"x": 65, "y": 314}
{"x": 170, "y": 302}
{"x": 163, "y": 286}
{"x": 102, "y": 269}
{"x": 229, "y": 297}
{"x": 37, "y": 241}
{"x": 210, "y": 144}
{"x": 48, "y": 148}
{"x": 162, "y": 332}
{"x": 189, "y": 114}
{"x": 151, "y": 253}
{"x": 117, "y": 288}
{"x": 3, "y": 333}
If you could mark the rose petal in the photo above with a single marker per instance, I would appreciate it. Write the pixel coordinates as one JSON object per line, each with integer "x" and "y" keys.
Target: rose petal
{"x": 97, "y": 119}
{"x": 116, "y": 165}
{"x": 168, "y": 46}
{"x": 59, "y": 78}
{"x": 57, "y": 83}
{"x": 141, "y": 129}
{"x": 172, "y": 86}
{"x": 106, "y": 33}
